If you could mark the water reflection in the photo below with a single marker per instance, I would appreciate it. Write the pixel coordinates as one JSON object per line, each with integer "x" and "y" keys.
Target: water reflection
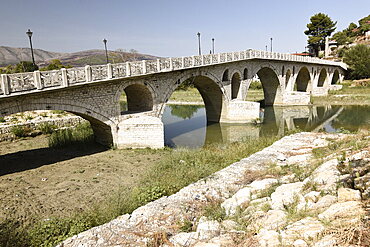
{"x": 187, "y": 126}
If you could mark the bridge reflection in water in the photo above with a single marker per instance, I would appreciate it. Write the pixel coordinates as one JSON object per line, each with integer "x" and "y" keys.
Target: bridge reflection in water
{"x": 187, "y": 126}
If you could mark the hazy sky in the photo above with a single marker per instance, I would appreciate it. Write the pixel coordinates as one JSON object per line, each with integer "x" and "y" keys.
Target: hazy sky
{"x": 168, "y": 27}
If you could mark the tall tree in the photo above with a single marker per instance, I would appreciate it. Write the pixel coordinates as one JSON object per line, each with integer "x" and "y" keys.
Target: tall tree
{"x": 320, "y": 27}
{"x": 358, "y": 60}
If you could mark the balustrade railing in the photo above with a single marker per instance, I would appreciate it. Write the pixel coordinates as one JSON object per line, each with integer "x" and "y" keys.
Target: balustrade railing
{"x": 38, "y": 80}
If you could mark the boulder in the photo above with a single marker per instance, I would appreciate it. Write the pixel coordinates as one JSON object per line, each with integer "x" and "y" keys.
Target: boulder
{"x": 229, "y": 225}
{"x": 184, "y": 239}
{"x": 326, "y": 175}
{"x": 312, "y": 196}
{"x": 324, "y": 202}
{"x": 272, "y": 220}
{"x": 352, "y": 210}
{"x": 346, "y": 194}
{"x": 285, "y": 195}
{"x": 268, "y": 238}
{"x": 300, "y": 243}
{"x": 240, "y": 200}
{"x": 326, "y": 241}
{"x": 208, "y": 229}
{"x": 259, "y": 185}
{"x": 306, "y": 229}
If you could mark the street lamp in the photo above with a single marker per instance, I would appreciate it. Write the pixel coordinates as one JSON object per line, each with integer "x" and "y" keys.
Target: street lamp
{"x": 200, "y": 52}
{"x": 29, "y": 34}
{"x": 213, "y": 45}
{"x": 271, "y": 44}
{"x": 106, "y": 52}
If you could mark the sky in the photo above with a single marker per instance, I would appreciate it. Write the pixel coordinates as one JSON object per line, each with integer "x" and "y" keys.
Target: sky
{"x": 168, "y": 28}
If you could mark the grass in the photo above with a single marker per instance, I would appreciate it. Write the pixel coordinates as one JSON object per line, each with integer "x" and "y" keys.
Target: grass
{"x": 80, "y": 135}
{"x": 348, "y": 95}
{"x": 189, "y": 95}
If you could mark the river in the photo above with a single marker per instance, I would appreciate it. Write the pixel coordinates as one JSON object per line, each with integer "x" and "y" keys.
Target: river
{"x": 186, "y": 125}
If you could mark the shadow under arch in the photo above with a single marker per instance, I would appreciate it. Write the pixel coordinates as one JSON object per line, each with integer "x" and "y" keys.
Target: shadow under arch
{"x": 271, "y": 86}
{"x": 322, "y": 77}
{"x": 287, "y": 77}
{"x": 139, "y": 98}
{"x": 335, "y": 79}
{"x": 100, "y": 123}
{"x": 235, "y": 85}
{"x": 303, "y": 81}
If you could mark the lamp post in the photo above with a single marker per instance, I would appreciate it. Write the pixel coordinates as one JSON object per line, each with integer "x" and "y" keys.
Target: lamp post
{"x": 271, "y": 43}
{"x": 106, "y": 52}
{"x": 200, "y": 52}
{"x": 213, "y": 45}
{"x": 29, "y": 34}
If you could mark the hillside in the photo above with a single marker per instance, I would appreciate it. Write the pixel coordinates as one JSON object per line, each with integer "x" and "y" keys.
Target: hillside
{"x": 11, "y": 55}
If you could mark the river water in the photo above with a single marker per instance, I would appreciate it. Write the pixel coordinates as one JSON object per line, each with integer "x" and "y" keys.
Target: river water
{"x": 186, "y": 125}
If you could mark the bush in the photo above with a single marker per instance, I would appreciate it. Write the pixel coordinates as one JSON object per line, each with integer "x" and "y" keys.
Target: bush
{"x": 2, "y": 120}
{"x": 81, "y": 134}
{"x": 358, "y": 60}
{"x": 47, "y": 128}
{"x": 21, "y": 131}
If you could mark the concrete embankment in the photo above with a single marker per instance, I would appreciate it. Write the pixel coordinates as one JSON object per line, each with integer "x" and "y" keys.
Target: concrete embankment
{"x": 280, "y": 196}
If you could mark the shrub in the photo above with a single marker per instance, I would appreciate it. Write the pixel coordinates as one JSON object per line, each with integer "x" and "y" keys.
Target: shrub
{"x": 2, "y": 120}
{"x": 255, "y": 85}
{"x": 47, "y": 128}
{"x": 81, "y": 134}
{"x": 20, "y": 131}
{"x": 358, "y": 60}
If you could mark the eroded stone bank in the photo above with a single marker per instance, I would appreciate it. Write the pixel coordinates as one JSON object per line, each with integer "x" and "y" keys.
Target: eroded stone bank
{"x": 280, "y": 196}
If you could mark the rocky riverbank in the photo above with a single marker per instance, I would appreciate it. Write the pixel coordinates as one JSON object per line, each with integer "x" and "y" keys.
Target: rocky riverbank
{"x": 307, "y": 189}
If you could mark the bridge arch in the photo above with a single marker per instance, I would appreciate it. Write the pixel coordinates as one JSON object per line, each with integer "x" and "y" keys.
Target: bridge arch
{"x": 139, "y": 98}
{"x": 288, "y": 75}
{"x": 336, "y": 78}
{"x": 245, "y": 74}
{"x": 210, "y": 89}
{"x": 271, "y": 85}
{"x": 101, "y": 123}
{"x": 235, "y": 85}
{"x": 225, "y": 75}
{"x": 323, "y": 76}
{"x": 303, "y": 80}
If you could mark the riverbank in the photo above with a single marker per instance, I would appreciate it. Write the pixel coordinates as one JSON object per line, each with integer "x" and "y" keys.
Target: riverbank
{"x": 304, "y": 190}
{"x": 80, "y": 187}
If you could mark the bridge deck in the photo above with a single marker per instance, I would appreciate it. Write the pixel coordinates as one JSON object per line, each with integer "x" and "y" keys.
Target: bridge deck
{"x": 23, "y": 83}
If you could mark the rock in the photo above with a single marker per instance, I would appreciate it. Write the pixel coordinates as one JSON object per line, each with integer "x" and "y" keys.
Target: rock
{"x": 285, "y": 194}
{"x": 268, "y": 238}
{"x": 340, "y": 210}
{"x": 208, "y": 229}
{"x": 207, "y": 245}
{"x": 240, "y": 200}
{"x": 300, "y": 243}
{"x": 224, "y": 240}
{"x": 326, "y": 241}
{"x": 184, "y": 239}
{"x": 259, "y": 185}
{"x": 326, "y": 176}
{"x": 300, "y": 160}
{"x": 312, "y": 196}
{"x": 229, "y": 225}
{"x": 272, "y": 220}
{"x": 307, "y": 228}
{"x": 346, "y": 194}
{"x": 287, "y": 179}
{"x": 324, "y": 202}
{"x": 363, "y": 184}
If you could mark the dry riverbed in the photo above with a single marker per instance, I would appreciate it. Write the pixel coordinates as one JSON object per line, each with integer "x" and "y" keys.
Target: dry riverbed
{"x": 38, "y": 181}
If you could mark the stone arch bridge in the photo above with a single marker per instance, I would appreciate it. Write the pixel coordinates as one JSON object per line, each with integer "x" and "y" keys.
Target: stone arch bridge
{"x": 223, "y": 80}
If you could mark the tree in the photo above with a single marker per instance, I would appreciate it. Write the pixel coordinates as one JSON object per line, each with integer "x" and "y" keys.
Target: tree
{"x": 25, "y": 66}
{"x": 320, "y": 27}
{"x": 364, "y": 24}
{"x": 54, "y": 65}
{"x": 358, "y": 60}
{"x": 341, "y": 38}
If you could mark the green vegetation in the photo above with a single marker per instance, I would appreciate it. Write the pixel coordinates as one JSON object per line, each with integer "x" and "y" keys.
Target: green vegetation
{"x": 47, "y": 128}
{"x": 184, "y": 111}
{"x": 80, "y": 135}
{"x": 23, "y": 66}
{"x": 320, "y": 27}
{"x": 54, "y": 65}
{"x": 358, "y": 59}
{"x": 191, "y": 94}
{"x": 21, "y": 131}
{"x": 352, "y": 93}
